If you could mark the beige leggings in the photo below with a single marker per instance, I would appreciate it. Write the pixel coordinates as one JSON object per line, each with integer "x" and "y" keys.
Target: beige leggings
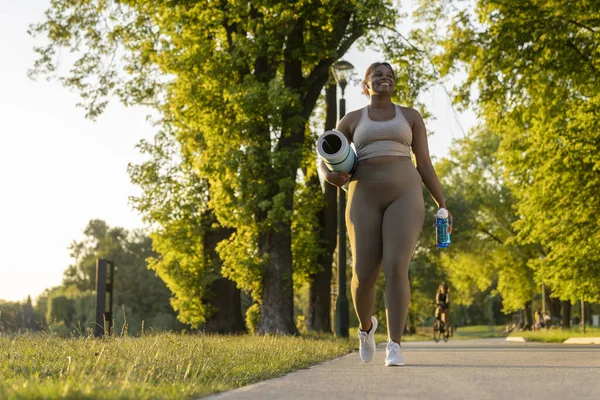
{"x": 384, "y": 216}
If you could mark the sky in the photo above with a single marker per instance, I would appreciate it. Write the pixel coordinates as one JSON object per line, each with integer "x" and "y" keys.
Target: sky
{"x": 59, "y": 170}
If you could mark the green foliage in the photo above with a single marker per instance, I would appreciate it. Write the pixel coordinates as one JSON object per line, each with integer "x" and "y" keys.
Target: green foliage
{"x": 43, "y": 299}
{"x": 235, "y": 83}
{"x": 10, "y": 316}
{"x": 60, "y": 308}
{"x": 557, "y": 335}
{"x": 98, "y": 243}
{"x": 561, "y": 163}
{"x": 483, "y": 255}
{"x": 532, "y": 64}
{"x": 252, "y": 317}
{"x": 173, "y": 203}
{"x": 71, "y": 311}
{"x": 308, "y": 203}
{"x": 426, "y": 273}
{"x": 71, "y": 306}
{"x": 482, "y": 262}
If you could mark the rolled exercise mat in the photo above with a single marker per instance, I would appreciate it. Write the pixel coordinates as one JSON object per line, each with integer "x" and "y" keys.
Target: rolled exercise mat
{"x": 336, "y": 152}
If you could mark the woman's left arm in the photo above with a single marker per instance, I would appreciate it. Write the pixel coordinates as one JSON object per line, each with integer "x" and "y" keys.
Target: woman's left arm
{"x": 420, "y": 148}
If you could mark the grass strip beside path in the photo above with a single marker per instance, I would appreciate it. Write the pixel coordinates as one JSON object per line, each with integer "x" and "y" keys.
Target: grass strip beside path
{"x": 479, "y": 332}
{"x": 162, "y": 366}
{"x": 461, "y": 333}
{"x": 557, "y": 335}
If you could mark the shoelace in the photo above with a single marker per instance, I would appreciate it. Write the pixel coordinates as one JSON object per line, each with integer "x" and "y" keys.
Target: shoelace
{"x": 363, "y": 336}
{"x": 393, "y": 348}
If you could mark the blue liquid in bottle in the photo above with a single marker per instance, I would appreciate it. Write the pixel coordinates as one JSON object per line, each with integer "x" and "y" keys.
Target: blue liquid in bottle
{"x": 442, "y": 222}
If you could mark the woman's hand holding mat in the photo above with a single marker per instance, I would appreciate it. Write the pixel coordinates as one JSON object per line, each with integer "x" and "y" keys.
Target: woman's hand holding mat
{"x": 338, "y": 179}
{"x": 336, "y": 151}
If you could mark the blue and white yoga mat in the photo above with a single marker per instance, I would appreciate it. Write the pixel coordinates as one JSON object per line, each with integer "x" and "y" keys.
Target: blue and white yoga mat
{"x": 336, "y": 152}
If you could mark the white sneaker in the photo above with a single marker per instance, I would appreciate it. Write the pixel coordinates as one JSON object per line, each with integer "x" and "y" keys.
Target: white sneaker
{"x": 393, "y": 355}
{"x": 367, "y": 342}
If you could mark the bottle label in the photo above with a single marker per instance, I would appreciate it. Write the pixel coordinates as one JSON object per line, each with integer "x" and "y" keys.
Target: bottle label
{"x": 442, "y": 235}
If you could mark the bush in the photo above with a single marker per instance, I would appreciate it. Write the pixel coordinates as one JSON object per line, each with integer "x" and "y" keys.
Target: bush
{"x": 252, "y": 317}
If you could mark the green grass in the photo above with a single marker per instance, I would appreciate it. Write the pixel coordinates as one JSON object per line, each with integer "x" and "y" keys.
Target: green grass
{"x": 424, "y": 333}
{"x": 382, "y": 337}
{"x": 163, "y": 366}
{"x": 464, "y": 332}
{"x": 557, "y": 335}
{"x": 479, "y": 332}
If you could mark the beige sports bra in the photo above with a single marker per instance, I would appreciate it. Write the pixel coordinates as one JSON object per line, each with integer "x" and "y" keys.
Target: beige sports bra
{"x": 382, "y": 138}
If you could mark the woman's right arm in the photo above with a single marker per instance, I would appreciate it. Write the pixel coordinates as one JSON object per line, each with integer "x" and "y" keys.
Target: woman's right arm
{"x": 335, "y": 178}
{"x": 346, "y": 127}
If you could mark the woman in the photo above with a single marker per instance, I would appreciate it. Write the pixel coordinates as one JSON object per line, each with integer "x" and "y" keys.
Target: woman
{"x": 385, "y": 209}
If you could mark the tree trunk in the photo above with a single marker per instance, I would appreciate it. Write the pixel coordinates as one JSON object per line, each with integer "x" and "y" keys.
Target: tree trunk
{"x": 223, "y": 297}
{"x": 582, "y": 315}
{"x": 277, "y": 308}
{"x": 528, "y": 318}
{"x": 319, "y": 302}
{"x": 411, "y": 326}
{"x": 566, "y": 314}
{"x": 554, "y": 305}
{"x": 275, "y": 243}
{"x": 226, "y": 301}
{"x": 277, "y": 303}
{"x": 319, "y": 298}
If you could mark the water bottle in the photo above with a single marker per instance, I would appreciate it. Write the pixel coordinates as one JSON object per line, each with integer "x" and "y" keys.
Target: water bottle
{"x": 442, "y": 222}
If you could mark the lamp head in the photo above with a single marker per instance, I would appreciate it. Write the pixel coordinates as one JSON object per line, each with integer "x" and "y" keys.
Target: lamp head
{"x": 342, "y": 70}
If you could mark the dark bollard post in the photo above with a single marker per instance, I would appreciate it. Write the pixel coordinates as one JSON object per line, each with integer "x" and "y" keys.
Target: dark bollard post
{"x": 104, "y": 297}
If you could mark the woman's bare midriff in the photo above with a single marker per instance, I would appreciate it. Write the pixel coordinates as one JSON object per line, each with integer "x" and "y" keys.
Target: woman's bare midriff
{"x": 382, "y": 160}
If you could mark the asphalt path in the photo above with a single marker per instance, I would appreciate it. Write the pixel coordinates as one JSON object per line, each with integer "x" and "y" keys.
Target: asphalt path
{"x": 459, "y": 369}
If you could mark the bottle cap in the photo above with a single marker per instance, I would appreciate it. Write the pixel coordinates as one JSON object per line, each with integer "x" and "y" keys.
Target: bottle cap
{"x": 442, "y": 213}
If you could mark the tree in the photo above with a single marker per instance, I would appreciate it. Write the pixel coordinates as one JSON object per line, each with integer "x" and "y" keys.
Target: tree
{"x": 245, "y": 79}
{"x": 28, "y": 321}
{"x": 532, "y": 63}
{"x": 137, "y": 290}
{"x": 42, "y": 303}
{"x": 99, "y": 242}
{"x": 484, "y": 260}
{"x": 10, "y": 316}
{"x": 174, "y": 203}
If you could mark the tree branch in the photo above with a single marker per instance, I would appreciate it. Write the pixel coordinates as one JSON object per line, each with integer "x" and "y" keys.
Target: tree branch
{"x": 490, "y": 234}
{"x": 582, "y": 26}
{"x": 319, "y": 75}
{"x": 312, "y": 95}
{"x": 586, "y": 58}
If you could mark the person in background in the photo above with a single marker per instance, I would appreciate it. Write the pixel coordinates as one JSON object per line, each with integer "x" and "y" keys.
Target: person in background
{"x": 442, "y": 300}
{"x": 538, "y": 320}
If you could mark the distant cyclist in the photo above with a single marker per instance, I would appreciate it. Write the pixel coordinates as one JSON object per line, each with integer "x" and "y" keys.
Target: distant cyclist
{"x": 442, "y": 300}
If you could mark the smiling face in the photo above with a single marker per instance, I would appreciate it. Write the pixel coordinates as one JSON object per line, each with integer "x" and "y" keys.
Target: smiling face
{"x": 380, "y": 80}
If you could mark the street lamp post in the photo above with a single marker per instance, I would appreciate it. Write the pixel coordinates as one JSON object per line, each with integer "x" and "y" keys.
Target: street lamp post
{"x": 341, "y": 72}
